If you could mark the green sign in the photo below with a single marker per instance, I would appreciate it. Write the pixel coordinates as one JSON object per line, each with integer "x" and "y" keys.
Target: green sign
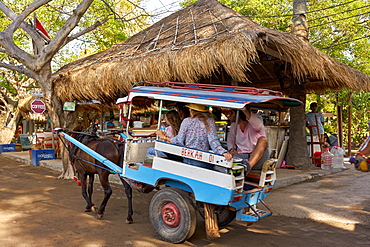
{"x": 69, "y": 106}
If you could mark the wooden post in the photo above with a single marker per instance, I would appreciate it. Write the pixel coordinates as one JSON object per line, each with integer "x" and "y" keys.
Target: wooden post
{"x": 340, "y": 123}
{"x": 349, "y": 124}
{"x": 211, "y": 222}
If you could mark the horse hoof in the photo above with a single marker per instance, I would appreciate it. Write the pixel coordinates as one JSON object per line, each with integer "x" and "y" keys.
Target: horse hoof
{"x": 95, "y": 209}
{"x": 99, "y": 216}
{"x": 129, "y": 221}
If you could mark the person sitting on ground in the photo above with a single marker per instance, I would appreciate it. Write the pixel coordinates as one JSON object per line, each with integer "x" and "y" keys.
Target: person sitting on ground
{"x": 247, "y": 139}
{"x": 110, "y": 124}
{"x": 199, "y": 132}
{"x": 173, "y": 122}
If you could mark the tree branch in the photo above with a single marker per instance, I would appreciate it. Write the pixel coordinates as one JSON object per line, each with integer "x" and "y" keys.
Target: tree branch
{"x": 24, "y": 25}
{"x": 89, "y": 29}
{"x": 60, "y": 39}
{"x": 19, "y": 69}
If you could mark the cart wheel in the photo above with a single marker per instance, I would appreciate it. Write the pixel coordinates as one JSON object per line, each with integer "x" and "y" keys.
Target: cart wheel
{"x": 172, "y": 215}
{"x": 224, "y": 214}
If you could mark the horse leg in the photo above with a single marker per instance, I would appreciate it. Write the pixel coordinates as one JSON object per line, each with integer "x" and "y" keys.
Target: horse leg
{"x": 90, "y": 191}
{"x": 128, "y": 191}
{"x": 83, "y": 178}
{"x": 104, "y": 181}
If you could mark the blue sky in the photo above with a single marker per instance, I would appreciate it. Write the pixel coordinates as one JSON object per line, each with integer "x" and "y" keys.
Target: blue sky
{"x": 161, "y": 8}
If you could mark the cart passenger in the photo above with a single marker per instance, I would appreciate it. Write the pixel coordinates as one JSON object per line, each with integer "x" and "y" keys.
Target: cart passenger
{"x": 182, "y": 110}
{"x": 249, "y": 140}
{"x": 199, "y": 132}
{"x": 173, "y": 122}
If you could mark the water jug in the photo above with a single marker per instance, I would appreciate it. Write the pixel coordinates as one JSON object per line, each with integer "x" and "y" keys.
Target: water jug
{"x": 338, "y": 156}
{"x": 326, "y": 160}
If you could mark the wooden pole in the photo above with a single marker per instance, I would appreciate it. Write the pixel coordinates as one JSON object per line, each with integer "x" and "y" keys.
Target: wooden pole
{"x": 340, "y": 123}
{"x": 211, "y": 222}
{"x": 349, "y": 124}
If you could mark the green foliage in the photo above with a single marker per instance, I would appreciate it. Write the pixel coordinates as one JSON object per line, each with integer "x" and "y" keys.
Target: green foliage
{"x": 124, "y": 19}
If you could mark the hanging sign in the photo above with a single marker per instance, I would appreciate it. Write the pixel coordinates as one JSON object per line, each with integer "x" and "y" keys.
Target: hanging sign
{"x": 38, "y": 106}
{"x": 69, "y": 106}
{"x": 36, "y": 93}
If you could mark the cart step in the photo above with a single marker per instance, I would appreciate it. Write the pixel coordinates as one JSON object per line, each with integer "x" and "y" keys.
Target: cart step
{"x": 251, "y": 215}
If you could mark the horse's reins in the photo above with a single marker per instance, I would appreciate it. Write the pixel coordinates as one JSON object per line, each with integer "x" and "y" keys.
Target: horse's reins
{"x": 92, "y": 135}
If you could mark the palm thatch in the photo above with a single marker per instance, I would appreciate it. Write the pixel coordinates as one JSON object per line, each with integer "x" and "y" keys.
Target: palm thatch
{"x": 206, "y": 42}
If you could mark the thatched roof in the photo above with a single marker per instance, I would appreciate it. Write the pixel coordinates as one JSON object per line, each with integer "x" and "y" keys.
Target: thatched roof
{"x": 205, "y": 42}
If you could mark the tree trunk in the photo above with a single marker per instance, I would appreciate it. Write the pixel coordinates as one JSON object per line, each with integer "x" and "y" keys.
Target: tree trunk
{"x": 297, "y": 154}
{"x": 59, "y": 118}
{"x": 8, "y": 128}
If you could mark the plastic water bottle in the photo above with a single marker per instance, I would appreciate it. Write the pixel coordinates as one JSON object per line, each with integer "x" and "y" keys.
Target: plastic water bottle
{"x": 163, "y": 127}
{"x": 338, "y": 156}
{"x": 326, "y": 160}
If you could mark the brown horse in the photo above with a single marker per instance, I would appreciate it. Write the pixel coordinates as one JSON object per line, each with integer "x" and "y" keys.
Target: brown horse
{"x": 87, "y": 166}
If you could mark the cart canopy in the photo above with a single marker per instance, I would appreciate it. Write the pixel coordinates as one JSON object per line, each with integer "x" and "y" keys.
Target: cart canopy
{"x": 213, "y": 95}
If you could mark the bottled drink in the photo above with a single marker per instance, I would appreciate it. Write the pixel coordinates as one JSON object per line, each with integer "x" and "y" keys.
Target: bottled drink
{"x": 338, "y": 154}
{"x": 326, "y": 160}
{"x": 163, "y": 127}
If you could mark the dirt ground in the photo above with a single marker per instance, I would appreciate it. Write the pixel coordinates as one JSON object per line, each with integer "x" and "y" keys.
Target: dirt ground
{"x": 37, "y": 209}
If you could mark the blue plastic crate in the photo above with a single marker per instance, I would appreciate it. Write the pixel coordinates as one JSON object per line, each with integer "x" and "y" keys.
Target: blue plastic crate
{"x": 7, "y": 148}
{"x": 42, "y": 154}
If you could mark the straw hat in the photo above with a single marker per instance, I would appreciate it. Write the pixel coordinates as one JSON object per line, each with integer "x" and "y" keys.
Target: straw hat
{"x": 196, "y": 107}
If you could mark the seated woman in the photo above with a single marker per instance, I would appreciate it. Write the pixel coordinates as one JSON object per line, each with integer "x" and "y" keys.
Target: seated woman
{"x": 199, "y": 132}
{"x": 173, "y": 122}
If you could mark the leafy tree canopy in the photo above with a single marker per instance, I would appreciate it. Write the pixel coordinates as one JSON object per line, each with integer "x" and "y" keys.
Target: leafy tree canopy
{"x": 121, "y": 19}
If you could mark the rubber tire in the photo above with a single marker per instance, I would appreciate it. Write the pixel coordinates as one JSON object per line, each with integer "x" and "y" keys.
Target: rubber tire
{"x": 185, "y": 205}
{"x": 224, "y": 215}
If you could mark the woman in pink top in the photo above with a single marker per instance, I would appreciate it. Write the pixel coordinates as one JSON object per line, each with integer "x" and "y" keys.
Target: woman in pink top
{"x": 249, "y": 140}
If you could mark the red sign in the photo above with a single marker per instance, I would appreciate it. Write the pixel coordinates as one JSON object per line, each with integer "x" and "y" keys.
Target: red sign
{"x": 38, "y": 106}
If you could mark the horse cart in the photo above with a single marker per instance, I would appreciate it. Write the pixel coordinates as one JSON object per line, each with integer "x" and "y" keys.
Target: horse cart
{"x": 219, "y": 195}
